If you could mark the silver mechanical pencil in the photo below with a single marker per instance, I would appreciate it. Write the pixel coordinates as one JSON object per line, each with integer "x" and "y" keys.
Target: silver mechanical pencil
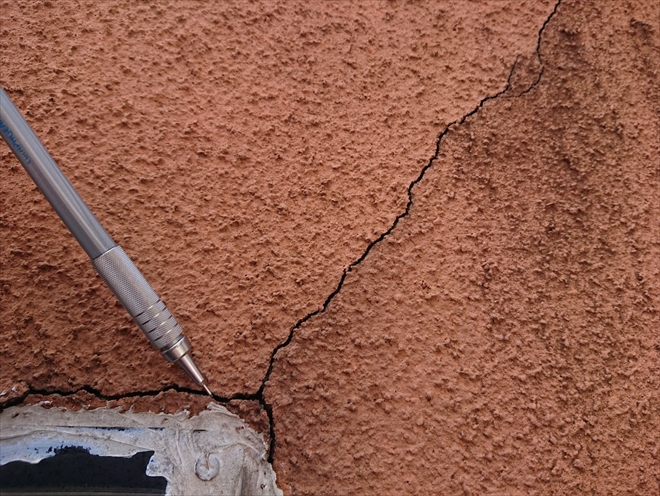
{"x": 112, "y": 264}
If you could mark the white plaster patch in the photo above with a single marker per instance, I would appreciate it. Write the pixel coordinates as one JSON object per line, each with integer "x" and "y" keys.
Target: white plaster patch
{"x": 213, "y": 453}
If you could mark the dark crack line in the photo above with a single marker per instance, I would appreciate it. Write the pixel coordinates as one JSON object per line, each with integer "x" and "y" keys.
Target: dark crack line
{"x": 538, "y": 51}
{"x": 108, "y": 397}
{"x": 260, "y": 393}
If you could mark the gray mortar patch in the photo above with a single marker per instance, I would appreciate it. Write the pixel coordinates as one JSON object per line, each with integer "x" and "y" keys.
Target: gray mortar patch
{"x": 212, "y": 453}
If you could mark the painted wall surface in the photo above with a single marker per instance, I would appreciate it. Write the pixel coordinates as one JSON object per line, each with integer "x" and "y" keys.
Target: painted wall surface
{"x": 417, "y": 244}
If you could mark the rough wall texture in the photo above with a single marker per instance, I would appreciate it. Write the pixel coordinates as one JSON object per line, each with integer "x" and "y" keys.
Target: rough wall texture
{"x": 242, "y": 153}
{"x": 502, "y": 338}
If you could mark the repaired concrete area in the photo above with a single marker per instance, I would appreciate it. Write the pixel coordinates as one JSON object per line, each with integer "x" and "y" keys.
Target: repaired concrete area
{"x": 211, "y": 453}
{"x": 421, "y": 240}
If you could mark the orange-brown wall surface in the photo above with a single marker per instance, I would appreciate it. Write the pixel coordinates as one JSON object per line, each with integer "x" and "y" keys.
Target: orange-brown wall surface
{"x": 416, "y": 244}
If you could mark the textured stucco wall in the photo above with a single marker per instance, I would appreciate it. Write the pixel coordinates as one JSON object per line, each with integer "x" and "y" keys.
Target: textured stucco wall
{"x": 243, "y": 154}
{"x": 502, "y": 337}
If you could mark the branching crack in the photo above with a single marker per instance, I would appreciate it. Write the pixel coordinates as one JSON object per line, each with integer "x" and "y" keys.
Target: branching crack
{"x": 259, "y": 395}
{"x": 538, "y": 51}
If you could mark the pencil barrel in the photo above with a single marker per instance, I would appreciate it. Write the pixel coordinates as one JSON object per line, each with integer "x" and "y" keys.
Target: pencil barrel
{"x": 138, "y": 298}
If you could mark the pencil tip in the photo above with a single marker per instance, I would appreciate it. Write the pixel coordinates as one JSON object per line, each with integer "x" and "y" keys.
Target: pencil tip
{"x": 207, "y": 390}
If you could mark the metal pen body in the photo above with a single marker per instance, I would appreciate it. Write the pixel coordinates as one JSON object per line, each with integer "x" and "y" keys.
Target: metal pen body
{"x": 110, "y": 261}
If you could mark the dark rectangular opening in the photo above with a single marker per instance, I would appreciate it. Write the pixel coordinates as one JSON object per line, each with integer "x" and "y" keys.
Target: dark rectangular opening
{"x": 73, "y": 470}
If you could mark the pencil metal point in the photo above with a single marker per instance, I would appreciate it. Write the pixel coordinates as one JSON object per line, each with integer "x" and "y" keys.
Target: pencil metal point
{"x": 108, "y": 258}
{"x": 207, "y": 390}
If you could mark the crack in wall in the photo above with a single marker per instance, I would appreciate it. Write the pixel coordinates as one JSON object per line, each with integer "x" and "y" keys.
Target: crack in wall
{"x": 105, "y": 397}
{"x": 259, "y": 394}
{"x": 538, "y": 51}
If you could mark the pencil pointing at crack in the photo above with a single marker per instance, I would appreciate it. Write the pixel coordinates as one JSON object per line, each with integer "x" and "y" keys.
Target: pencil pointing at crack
{"x": 109, "y": 259}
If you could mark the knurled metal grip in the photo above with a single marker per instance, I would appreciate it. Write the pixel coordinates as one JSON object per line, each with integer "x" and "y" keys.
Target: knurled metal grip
{"x": 142, "y": 303}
